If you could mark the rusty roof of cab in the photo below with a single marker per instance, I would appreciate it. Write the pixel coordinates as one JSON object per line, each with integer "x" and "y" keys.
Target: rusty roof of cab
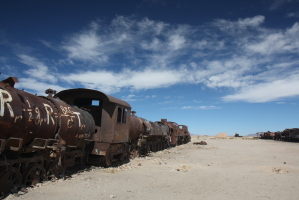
{"x": 67, "y": 95}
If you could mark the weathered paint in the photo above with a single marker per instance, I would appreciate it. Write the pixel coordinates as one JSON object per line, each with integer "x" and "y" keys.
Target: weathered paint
{"x": 26, "y": 116}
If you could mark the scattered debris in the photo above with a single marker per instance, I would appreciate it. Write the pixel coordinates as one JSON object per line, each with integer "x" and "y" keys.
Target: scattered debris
{"x": 280, "y": 171}
{"x": 183, "y": 168}
{"x": 200, "y": 143}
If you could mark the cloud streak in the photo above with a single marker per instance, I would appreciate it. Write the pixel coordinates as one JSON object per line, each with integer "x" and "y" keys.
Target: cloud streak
{"x": 143, "y": 79}
{"x": 254, "y": 63}
{"x": 200, "y": 107}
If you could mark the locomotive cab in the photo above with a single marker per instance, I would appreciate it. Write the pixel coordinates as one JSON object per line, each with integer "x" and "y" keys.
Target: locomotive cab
{"x": 111, "y": 116}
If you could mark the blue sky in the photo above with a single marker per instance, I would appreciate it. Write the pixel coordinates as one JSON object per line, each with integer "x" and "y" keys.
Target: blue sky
{"x": 215, "y": 66}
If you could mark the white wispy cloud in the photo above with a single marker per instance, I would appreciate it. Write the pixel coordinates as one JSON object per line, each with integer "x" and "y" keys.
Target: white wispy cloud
{"x": 278, "y": 3}
{"x": 108, "y": 81}
{"x": 150, "y": 96}
{"x": 293, "y": 14}
{"x": 130, "y": 97}
{"x": 277, "y": 42}
{"x": 37, "y": 69}
{"x": 269, "y": 91}
{"x": 255, "y": 63}
{"x": 240, "y": 24}
{"x": 36, "y": 86}
{"x": 281, "y": 102}
{"x": 200, "y": 107}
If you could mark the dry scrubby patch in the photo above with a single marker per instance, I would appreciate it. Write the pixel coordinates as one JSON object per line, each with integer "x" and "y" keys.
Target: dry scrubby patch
{"x": 203, "y": 147}
{"x": 138, "y": 162}
{"x": 279, "y": 170}
{"x": 118, "y": 169}
{"x": 184, "y": 168}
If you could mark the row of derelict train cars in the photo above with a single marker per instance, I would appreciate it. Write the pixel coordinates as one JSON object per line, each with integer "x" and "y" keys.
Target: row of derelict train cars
{"x": 41, "y": 136}
{"x": 291, "y": 134}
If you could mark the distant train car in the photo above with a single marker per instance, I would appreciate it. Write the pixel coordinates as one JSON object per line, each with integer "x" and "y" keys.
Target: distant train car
{"x": 151, "y": 136}
{"x": 294, "y": 134}
{"x": 277, "y": 135}
{"x": 290, "y": 134}
{"x": 184, "y": 135}
{"x": 174, "y": 131}
{"x": 267, "y": 135}
{"x": 285, "y": 135}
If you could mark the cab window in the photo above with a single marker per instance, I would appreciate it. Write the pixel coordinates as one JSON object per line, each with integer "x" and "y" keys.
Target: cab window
{"x": 121, "y": 115}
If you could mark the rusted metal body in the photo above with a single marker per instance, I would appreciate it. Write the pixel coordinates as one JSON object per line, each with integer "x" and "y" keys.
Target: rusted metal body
{"x": 290, "y": 134}
{"x": 294, "y": 134}
{"x": 146, "y": 136}
{"x": 37, "y": 133}
{"x": 25, "y": 117}
{"x": 137, "y": 127}
{"x": 268, "y": 135}
{"x": 159, "y": 129}
{"x": 140, "y": 127}
{"x": 277, "y": 135}
{"x": 237, "y": 135}
{"x": 271, "y": 135}
{"x": 111, "y": 116}
{"x": 285, "y": 135}
{"x": 184, "y": 135}
{"x": 174, "y": 131}
{"x": 200, "y": 143}
{"x": 138, "y": 134}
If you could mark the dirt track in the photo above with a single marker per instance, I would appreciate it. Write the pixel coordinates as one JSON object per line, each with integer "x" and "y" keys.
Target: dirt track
{"x": 222, "y": 169}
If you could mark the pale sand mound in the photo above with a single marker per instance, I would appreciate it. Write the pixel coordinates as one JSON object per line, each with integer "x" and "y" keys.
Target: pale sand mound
{"x": 221, "y": 135}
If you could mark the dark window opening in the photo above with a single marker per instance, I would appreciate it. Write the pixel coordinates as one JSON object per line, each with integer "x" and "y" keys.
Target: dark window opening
{"x": 124, "y": 120}
{"x": 93, "y": 106}
{"x": 121, "y": 115}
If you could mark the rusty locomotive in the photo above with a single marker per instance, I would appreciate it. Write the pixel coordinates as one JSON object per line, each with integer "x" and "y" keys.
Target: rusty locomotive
{"x": 285, "y": 135}
{"x": 40, "y": 137}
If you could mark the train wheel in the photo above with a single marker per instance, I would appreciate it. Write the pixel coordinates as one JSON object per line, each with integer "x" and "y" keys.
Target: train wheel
{"x": 160, "y": 146}
{"x": 53, "y": 171}
{"x": 34, "y": 174}
{"x": 108, "y": 158}
{"x": 153, "y": 148}
{"x": 149, "y": 147}
{"x": 134, "y": 154}
{"x": 157, "y": 146}
{"x": 9, "y": 179}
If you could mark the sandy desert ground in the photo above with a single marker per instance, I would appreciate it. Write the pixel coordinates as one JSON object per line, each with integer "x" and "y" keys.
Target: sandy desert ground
{"x": 223, "y": 169}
